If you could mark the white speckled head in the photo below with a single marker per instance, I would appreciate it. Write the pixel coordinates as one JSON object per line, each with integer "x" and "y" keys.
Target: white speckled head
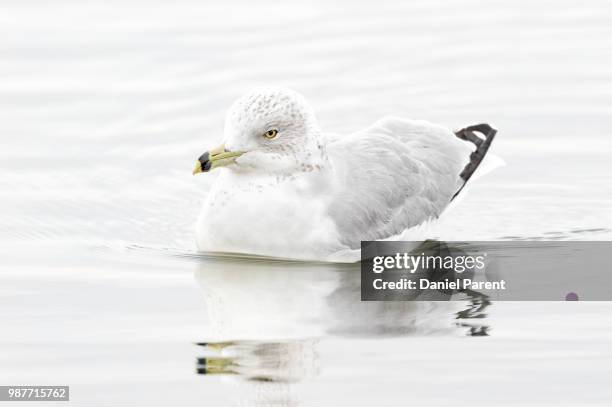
{"x": 273, "y": 124}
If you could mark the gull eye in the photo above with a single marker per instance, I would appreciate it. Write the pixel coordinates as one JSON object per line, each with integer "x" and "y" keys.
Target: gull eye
{"x": 270, "y": 134}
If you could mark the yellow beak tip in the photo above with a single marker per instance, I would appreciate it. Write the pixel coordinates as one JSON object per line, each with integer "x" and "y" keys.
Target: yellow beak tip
{"x": 214, "y": 158}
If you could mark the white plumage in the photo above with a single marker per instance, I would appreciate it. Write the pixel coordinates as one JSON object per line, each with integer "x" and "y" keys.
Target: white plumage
{"x": 305, "y": 194}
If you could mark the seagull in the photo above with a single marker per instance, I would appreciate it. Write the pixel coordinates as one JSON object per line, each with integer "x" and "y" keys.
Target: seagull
{"x": 287, "y": 189}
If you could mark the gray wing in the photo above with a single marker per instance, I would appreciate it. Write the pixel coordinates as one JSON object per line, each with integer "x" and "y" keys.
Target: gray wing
{"x": 394, "y": 175}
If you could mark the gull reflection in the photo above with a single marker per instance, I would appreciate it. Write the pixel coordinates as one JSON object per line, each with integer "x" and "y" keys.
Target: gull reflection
{"x": 267, "y": 317}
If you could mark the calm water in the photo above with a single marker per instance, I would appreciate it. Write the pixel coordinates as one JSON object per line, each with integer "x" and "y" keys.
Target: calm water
{"x": 104, "y": 107}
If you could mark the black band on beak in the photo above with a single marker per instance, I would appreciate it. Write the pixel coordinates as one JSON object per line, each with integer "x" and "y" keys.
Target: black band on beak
{"x": 205, "y": 161}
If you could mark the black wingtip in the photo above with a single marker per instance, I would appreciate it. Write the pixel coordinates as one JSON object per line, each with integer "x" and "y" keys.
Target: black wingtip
{"x": 481, "y": 135}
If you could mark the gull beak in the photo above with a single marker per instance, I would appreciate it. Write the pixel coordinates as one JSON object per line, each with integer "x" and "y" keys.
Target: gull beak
{"x": 214, "y": 158}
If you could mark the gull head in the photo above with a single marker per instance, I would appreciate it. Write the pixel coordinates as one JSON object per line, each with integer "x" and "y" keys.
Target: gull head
{"x": 267, "y": 130}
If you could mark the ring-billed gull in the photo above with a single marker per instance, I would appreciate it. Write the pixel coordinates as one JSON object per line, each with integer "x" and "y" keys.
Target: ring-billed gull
{"x": 287, "y": 189}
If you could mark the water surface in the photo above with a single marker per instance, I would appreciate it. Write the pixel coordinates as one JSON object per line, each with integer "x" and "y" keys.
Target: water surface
{"x": 105, "y": 106}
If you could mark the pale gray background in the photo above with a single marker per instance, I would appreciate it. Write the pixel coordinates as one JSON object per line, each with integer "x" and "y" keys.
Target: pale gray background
{"x": 105, "y": 105}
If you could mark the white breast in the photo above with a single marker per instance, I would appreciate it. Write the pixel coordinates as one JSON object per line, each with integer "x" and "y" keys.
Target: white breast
{"x": 268, "y": 215}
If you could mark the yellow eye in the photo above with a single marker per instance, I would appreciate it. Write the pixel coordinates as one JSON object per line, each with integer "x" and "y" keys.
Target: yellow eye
{"x": 270, "y": 134}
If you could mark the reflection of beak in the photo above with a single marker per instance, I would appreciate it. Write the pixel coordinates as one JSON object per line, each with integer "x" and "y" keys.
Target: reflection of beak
{"x": 217, "y": 157}
{"x": 211, "y": 366}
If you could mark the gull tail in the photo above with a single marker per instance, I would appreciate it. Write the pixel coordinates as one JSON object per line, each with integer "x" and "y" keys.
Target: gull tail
{"x": 481, "y": 135}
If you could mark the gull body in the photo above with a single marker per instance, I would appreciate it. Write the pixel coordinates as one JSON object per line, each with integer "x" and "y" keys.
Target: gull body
{"x": 287, "y": 189}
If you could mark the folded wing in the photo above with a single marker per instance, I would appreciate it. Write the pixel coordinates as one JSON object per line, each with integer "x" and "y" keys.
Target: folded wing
{"x": 396, "y": 174}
